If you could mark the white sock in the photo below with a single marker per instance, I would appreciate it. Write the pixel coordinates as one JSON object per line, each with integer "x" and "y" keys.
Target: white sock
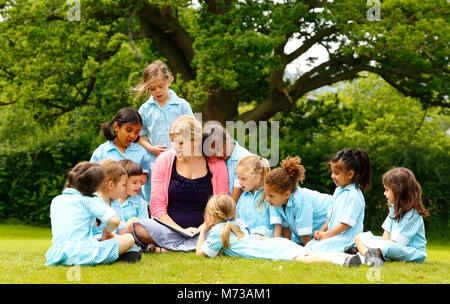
{"x": 363, "y": 260}
{"x": 338, "y": 260}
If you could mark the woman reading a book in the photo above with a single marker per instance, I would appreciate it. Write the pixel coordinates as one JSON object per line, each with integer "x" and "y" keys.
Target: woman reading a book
{"x": 183, "y": 179}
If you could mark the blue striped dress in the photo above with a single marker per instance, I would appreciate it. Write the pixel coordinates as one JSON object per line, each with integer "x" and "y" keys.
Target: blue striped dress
{"x": 73, "y": 242}
{"x": 115, "y": 205}
{"x": 134, "y": 206}
{"x": 408, "y": 236}
{"x": 156, "y": 123}
{"x": 250, "y": 247}
{"x": 306, "y": 211}
{"x": 134, "y": 152}
{"x": 238, "y": 153}
{"x": 347, "y": 207}
{"x": 255, "y": 216}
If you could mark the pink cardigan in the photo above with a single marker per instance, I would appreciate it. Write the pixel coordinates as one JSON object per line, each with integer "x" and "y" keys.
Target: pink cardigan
{"x": 162, "y": 172}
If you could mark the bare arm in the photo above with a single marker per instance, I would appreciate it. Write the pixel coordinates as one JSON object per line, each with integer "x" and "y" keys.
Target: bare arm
{"x": 236, "y": 193}
{"x": 386, "y": 236}
{"x": 156, "y": 150}
{"x": 201, "y": 240}
{"x": 341, "y": 227}
{"x": 277, "y": 230}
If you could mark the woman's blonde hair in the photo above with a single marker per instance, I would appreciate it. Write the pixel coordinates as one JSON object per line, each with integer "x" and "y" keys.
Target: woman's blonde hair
{"x": 186, "y": 126}
{"x": 156, "y": 70}
{"x": 254, "y": 166}
{"x": 113, "y": 171}
{"x": 222, "y": 208}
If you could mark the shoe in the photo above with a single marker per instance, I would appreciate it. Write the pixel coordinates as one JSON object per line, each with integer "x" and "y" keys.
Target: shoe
{"x": 130, "y": 257}
{"x": 352, "y": 261}
{"x": 373, "y": 258}
{"x": 351, "y": 250}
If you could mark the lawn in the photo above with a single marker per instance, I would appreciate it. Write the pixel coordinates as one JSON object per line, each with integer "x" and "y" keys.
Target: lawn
{"x": 22, "y": 250}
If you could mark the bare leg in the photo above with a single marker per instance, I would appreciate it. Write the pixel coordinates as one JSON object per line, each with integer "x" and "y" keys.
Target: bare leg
{"x": 363, "y": 248}
{"x": 314, "y": 257}
{"x": 126, "y": 241}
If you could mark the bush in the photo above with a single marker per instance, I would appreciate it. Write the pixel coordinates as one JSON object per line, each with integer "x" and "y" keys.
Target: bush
{"x": 33, "y": 174}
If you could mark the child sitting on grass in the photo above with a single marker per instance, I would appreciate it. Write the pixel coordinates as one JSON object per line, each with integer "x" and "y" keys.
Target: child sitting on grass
{"x": 404, "y": 231}
{"x": 71, "y": 215}
{"x": 222, "y": 232}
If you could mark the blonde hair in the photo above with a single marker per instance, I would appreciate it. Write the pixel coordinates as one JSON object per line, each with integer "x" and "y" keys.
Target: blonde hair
{"x": 186, "y": 126}
{"x": 156, "y": 70}
{"x": 222, "y": 208}
{"x": 254, "y": 166}
{"x": 113, "y": 171}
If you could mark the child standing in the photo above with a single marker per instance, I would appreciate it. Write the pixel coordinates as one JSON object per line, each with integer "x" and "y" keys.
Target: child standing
{"x": 351, "y": 170}
{"x": 121, "y": 143}
{"x": 251, "y": 206}
{"x": 133, "y": 206}
{"x": 221, "y": 231}
{"x": 301, "y": 209}
{"x": 71, "y": 215}
{"x": 404, "y": 231}
{"x": 218, "y": 143}
{"x": 159, "y": 111}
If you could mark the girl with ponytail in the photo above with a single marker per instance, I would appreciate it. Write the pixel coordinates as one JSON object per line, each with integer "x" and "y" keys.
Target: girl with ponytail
{"x": 298, "y": 210}
{"x": 351, "y": 172}
{"x": 222, "y": 231}
{"x": 122, "y": 133}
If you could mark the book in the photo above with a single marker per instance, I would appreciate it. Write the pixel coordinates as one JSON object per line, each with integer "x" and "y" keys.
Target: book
{"x": 176, "y": 229}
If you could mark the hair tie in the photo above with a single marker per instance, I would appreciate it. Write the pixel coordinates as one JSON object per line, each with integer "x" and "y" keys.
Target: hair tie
{"x": 227, "y": 220}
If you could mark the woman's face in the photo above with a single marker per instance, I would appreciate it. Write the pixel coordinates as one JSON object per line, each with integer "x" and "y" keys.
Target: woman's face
{"x": 185, "y": 146}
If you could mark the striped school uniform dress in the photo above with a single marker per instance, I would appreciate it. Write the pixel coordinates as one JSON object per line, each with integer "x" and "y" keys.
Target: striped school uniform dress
{"x": 115, "y": 205}
{"x": 256, "y": 216}
{"x": 134, "y": 206}
{"x": 156, "y": 123}
{"x": 237, "y": 154}
{"x": 134, "y": 152}
{"x": 73, "y": 242}
{"x": 407, "y": 234}
{"x": 306, "y": 211}
{"x": 347, "y": 208}
{"x": 250, "y": 247}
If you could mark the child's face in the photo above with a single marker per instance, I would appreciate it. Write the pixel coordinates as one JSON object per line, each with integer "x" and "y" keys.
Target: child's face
{"x": 389, "y": 195}
{"x": 127, "y": 133}
{"x": 119, "y": 189}
{"x": 133, "y": 184}
{"x": 159, "y": 89}
{"x": 275, "y": 198}
{"x": 341, "y": 176}
{"x": 248, "y": 183}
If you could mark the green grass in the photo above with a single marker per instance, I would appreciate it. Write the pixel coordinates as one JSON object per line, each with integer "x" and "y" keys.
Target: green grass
{"x": 22, "y": 258}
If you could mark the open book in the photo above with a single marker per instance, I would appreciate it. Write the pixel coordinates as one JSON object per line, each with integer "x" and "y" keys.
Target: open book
{"x": 176, "y": 229}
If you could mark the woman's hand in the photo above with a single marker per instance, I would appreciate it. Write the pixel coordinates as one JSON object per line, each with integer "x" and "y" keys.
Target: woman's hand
{"x": 191, "y": 230}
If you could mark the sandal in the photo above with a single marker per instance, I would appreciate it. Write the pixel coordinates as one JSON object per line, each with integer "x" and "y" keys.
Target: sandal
{"x": 152, "y": 248}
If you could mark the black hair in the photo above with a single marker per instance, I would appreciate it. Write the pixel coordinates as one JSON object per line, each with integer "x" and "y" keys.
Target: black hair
{"x": 130, "y": 167}
{"x": 86, "y": 177}
{"x": 214, "y": 133}
{"x": 123, "y": 116}
{"x": 359, "y": 162}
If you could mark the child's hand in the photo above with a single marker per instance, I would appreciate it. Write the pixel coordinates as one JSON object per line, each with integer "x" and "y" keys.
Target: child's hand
{"x": 316, "y": 234}
{"x": 156, "y": 150}
{"x": 107, "y": 236}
